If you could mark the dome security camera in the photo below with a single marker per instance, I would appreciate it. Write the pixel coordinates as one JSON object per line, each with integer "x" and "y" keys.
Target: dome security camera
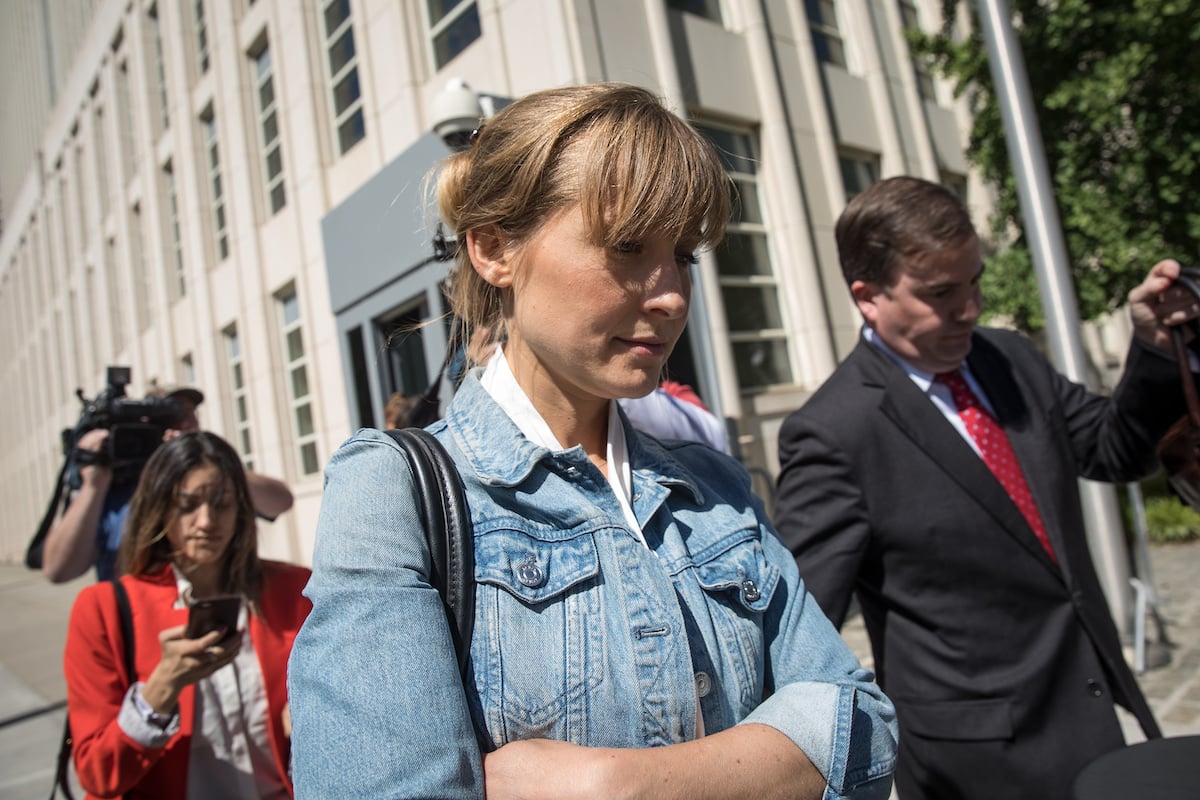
{"x": 456, "y": 114}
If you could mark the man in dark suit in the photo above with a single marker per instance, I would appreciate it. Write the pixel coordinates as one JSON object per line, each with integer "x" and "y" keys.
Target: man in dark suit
{"x": 950, "y": 504}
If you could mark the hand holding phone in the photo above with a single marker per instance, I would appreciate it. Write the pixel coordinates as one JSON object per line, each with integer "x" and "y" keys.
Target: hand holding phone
{"x": 209, "y": 614}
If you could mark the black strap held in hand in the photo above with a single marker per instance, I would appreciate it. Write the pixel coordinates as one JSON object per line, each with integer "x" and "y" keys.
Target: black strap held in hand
{"x": 443, "y": 505}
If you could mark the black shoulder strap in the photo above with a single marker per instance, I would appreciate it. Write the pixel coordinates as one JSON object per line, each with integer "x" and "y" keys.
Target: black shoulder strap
{"x": 443, "y": 505}
{"x": 125, "y": 616}
{"x": 33, "y": 552}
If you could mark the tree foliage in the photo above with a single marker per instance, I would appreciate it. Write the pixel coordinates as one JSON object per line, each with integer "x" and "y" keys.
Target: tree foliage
{"x": 1115, "y": 85}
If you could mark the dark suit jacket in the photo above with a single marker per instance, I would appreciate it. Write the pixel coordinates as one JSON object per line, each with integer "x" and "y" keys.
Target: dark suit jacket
{"x": 1003, "y": 666}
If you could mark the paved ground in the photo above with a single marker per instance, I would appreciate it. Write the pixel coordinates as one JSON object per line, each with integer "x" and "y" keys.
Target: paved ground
{"x": 33, "y": 620}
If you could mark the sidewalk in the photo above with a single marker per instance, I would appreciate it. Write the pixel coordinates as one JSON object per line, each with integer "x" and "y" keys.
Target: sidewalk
{"x": 33, "y": 623}
{"x": 33, "y": 628}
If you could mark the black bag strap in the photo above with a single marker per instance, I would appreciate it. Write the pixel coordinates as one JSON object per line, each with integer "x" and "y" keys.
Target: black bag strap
{"x": 1189, "y": 279}
{"x": 443, "y": 506}
{"x": 125, "y": 616}
{"x": 33, "y": 553}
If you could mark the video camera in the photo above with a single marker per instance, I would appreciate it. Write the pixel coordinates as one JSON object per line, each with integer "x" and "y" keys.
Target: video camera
{"x": 135, "y": 429}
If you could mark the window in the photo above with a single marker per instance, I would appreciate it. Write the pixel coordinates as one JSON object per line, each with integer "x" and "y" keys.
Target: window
{"x": 749, "y": 287}
{"x": 911, "y": 20}
{"x": 220, "y": 229}
{"x": 202, "y": 58}
{"x": 296, "y": 368}
{"x": 453, "y": 25}
{"x": 343, "y": 74}
{"x": 174, "y": 240}
{"x": 858, "y": 172}
{"x": 709, "y": 9}
{"x": 826, "y": 37}
{"x": 268, "y": 129}
{"x": 160, "y": 72}
{"x": 399, "y": 341}
{"x": 235, "y": 362}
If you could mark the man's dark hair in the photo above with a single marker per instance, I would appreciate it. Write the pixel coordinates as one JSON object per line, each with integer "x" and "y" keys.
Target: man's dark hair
{"x": 897, "y": 218}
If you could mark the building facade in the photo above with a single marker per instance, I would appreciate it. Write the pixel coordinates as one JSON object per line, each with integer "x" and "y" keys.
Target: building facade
{"x": 230, "y": 194}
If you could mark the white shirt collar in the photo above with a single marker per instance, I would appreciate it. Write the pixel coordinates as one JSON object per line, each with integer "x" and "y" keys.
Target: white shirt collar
{"x": 499, "y": 382}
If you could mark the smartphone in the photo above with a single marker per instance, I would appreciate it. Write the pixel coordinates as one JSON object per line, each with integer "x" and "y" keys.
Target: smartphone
{"x": 213, "y": 613}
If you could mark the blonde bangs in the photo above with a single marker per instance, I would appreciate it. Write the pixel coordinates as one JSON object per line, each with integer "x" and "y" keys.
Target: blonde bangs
{"x": 651, "y": 174}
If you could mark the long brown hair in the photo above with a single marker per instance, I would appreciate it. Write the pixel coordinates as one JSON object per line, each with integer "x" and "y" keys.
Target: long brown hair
{"x": 634, "y": 167}
{"x": 144, "y": 545}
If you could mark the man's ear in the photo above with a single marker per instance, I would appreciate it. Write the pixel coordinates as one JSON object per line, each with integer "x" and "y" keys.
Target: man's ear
{"x": 490, "y": 256}
{"x": 865, "y": 295}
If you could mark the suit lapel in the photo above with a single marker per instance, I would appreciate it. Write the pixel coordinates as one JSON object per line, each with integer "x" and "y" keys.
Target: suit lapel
{"x": 915, "y": 415}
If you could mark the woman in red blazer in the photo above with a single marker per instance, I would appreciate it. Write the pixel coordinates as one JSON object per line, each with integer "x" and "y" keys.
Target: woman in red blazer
{"x": 201, "y": 717}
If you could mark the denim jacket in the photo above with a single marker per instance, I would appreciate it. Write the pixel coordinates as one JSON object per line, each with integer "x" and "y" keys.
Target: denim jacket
{"x": 582, "y": 633}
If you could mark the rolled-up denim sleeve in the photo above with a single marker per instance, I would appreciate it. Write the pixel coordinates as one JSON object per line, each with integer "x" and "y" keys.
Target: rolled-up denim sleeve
{"x": 377, "y": 703}
{"x": 824, "y": 700}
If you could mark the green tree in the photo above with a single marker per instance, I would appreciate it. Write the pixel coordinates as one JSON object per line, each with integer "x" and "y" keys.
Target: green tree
{"x": 1115, "y": 85}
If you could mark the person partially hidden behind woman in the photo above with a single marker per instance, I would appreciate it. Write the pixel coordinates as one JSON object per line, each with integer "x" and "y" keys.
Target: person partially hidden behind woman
{"x": 639, "y": 630}
{"x": 203, "y": 717}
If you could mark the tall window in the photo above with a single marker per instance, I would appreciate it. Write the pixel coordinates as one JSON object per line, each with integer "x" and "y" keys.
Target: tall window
{"x": 220, "y": 229}
{"x": 709, "y": 9}
{"x": 160, "y": 72}
{"x": 453, "y": 24}
{"x": 174, "y": 240}
{"x": 400, "y": 344}
{"x": 911, "y": 20}
{"x": 235, "y": 362}
{"x": 268, "y": 129}
{"x": 343, "y": 74}
{"x": 826, "y": 37}
{"x": 202, "y": 58}
{"x": 296, "y": 367}
{"x": 749, "y": 287}
{"x": 858, "y": 172}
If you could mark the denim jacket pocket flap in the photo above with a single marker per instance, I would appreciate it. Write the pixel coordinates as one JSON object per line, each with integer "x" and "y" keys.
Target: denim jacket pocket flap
{"x": 534, "y": 570}
{"x": 743, "y": 572}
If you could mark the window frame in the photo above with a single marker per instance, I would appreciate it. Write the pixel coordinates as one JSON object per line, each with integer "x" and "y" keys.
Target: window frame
{"x": 346, "y": 72}
{"x": 439, "y": 27}
{"x": 765, "y": 277}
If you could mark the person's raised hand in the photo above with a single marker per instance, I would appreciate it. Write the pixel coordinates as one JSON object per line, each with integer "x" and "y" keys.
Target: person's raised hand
{"x": 1157, "y": 303}
{"x": 96, "y": 473}
{"x": 185, "y": 661}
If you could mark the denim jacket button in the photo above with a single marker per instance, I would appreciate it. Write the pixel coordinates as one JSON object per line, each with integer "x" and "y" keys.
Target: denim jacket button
{"x": 750, "y": 591}
{"x": 703, "y": 684}
{"x": 530, "y": 574}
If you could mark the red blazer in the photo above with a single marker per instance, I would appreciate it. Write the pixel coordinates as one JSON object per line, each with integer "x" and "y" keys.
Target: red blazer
{"x": 109, "y": 763}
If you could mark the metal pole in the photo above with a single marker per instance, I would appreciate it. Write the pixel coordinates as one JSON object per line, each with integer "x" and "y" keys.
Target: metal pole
{"x": 1043, "y": 230}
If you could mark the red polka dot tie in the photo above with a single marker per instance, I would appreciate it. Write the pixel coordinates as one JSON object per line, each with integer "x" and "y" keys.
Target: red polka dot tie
{"x": 997, "y": 453}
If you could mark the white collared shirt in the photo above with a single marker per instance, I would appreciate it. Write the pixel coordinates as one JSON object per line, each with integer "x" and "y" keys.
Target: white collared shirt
{"x": 499, "y": 382}
{"x": 936, "y": 391}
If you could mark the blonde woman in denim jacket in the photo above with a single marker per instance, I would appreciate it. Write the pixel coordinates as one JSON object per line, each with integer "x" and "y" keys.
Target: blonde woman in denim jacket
{"x": 639, "y": 630}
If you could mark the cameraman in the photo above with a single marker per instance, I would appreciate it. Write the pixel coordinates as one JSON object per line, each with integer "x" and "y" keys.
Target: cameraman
{"x": 89, "y": 531}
